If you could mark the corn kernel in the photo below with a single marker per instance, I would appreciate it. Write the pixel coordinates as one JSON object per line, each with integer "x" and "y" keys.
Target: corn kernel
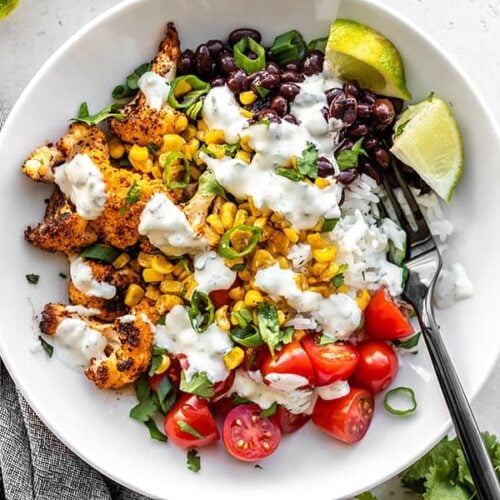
{"x": 283, "y": 262}
{"x": 157, "y": 172}
{"x": 280, "y": 242}
{"x": 181, "y": 123}
{"x": 316, "y": 240}
{"x": 262, "y": 259}
{"x": 299, "y": 335}
{"x": 182, "y": 88}
{"x": 216, "y": 223}
{"x": 293, "y": 162}
{"x": 145, "y": 259}
{"x": 343, "y": 289}
{"x": 202, "y": 125}
{"x": 281, "y": 317}
{"x": 244, "y": 156}
{"x": 291, "y": 234}
{"x": 234, "y": 358}
{"x": 215, "y": 136}
{"x": 152, "y": 292}
{"x": 191, "y": 147}
{"x": 246, "y": 113}
{"x": 240, "y": 217}
{"x": 164, "y": 365}
{"x": 322, "y": 289}
{"x": 172, "y": 142}
{"x": 221, "y": 319}
{"x": 248, "y": 97}
{"x": 312, "y": 280}
{"x": 245, "y": 275}
{"x": 161, "y": 264}
{"x": 237, "y": 293}
{"x": 227, "y": 214}
{"x": 330, "y": 272}
{"x": 138, "y": 153}
{"x": 245, "y": 144}
{"x": 317, "y": 268}
{"x": 134, "y": 295}
{"x": 260, "y": 222}
{"x": 239, "y": 305}
{"x": 171, "y": 286}
{"x": 189, "y": 285}
{"x": 301, "y": 282}
{"x": 116, "y": 148}
{"x": 167, "y": 302}
{"x": 363, "y": 299}
{"x": 149, "y": 275}
{"x": 321, "y": 182}
{"x": 326, "y": 254}
{"x": 121, "y": 261}
{"x": 189, "y": 133}
{"x": 253, "y": 297}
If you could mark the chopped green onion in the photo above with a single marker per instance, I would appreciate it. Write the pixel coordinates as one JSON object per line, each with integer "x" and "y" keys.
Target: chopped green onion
{"x": 243, "y": 61}
{"x": 247, "y": 337}
{"x": 243, "y": 317}
{"x": 262, "y": 92}
{"x": 104, "y": 253}
{"x": 199, "y": 88}
{"x": 201, "y": 311}
{"x": 194, "y": 111}
{"x": 405, "y": 391}
{"x": 317, "y": 41}
{"x": 225, "y": 249}
{"x": 288, "y": 47}
{"x": 48, "y": 348}
{"x": 328, "y": 225}
{"x": 169, "y": 160}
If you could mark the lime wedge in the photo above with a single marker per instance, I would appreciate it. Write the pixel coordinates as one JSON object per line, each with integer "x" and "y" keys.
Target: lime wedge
{"x": 6, "y": 7}
{"x": 428, "y": 139}
{"x": 357, "y": 52}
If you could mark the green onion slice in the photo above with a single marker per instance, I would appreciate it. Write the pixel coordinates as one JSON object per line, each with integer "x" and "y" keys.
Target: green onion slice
{"x": 169, "y": 160}
{"x": 201, "y": 311}
{"x": 288, "y": 47}
{"x": 225, "y": 249}
{"x": 247, "y": 337}
{"x": 398, "y": 391}
{"x": 104, "y": 253}
{"x": 328, "y": 225}
{"x": 199, "y": 88}
{"x": 243, "y": 61}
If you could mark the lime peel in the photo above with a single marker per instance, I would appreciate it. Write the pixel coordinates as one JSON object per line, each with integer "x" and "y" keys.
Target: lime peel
{"x": 6, "y": 7}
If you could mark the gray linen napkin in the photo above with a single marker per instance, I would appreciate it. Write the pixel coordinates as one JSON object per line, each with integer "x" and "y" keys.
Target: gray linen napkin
{"x": 34, "y": 464}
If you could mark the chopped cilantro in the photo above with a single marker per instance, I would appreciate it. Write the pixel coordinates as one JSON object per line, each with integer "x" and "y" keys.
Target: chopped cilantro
{"x": 32, "y": 279}
{"x": 307, "y": 164}
{"x": 269, "y": 411}
{"x": 348, "y": 158}
{"x": 133, "y": 196}
{"x": 199, "y": 385}
{"x": 48, "y": 348}
{"x": 111, "y": 111}
{"x": 129, "y": 88}
{"x": 185, "y": 427}
{"x": 193, "y": 461}
{"x": 154, "y": 433}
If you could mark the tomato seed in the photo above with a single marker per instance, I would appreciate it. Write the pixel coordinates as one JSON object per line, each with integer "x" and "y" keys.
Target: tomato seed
{"x": 266, "y": 445}
{"x": 267, "y": 434}
{"x": 238, "y": 422}
{"x": 242, "y": 444}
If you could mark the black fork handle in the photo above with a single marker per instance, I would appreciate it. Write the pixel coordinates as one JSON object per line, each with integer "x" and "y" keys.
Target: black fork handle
{"x": 480, "y": 465}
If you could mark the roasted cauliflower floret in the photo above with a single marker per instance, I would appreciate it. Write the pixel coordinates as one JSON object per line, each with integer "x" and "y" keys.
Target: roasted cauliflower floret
{"x": 127, "y": 353}
{"x": 144, "y": 125}
{"x": 110, "y": 309}
{"x": 39, "y": 166}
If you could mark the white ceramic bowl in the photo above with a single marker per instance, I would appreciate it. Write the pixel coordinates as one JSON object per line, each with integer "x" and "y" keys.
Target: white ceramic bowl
{"x": 308, "y": 464}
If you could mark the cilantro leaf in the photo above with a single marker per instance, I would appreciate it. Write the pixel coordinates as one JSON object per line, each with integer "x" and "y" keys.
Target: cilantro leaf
{"x": 111, "y": 111}
{"x": 131, "y": 84}
{"x": 142, "y": 390}
{"x": 32, "y": 279}
{"x": 269, "y": 329}
{"x": 325, "y": 339}
{"x": 289, "y": 173}
{"x": 199, "y": 385}
{"x": 338, "y": 279}
{"x": 348, "y": 158}
{"x": 185, "y": 427}
{"x": 144, "y": 410}
{"x": 158, "y": 353}
{"x": 328, "y": 225}
{"x": 48, "y": 348}
{"x": 269, "y": 411}
{"x": 441, "y": 485}
{"x": 409, "y": 343}
{"x": 286, "y": 335}
{"x": 154, "y": 433}
{"x": 231, "y": 149}
{"x": 307, "y": 164}
{"x": 133, "y": 196}
{"x": 193, "y": 461}
{"x": 208, "y": 185}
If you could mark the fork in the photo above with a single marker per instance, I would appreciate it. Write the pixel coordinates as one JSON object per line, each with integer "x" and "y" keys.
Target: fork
{"x": 424, "y": 263}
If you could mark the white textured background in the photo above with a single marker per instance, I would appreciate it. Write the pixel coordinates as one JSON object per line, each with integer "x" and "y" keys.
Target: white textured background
{"x": 468, "y": 29}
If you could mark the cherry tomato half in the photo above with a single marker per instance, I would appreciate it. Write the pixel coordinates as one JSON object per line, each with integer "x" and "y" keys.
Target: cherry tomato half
{"x": 289, "y": 422}
{"x": 384, "y": 320}
{"x": 330, "y": 362}
{"x": 248, "y": 436}
{"x": 292, "y": 359}
{"x": 189, "y": 419}
{"x": 346, "y": 419}
{"x": 222, "y": 388}
{"x": 173, "y": 372}
{"x": 221, "y": 298}
{"x": 254, "y": 357}
{"x": 377, "y": 367}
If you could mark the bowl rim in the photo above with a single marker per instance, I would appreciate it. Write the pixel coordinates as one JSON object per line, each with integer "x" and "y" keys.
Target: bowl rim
{"x": 126, "y": 4}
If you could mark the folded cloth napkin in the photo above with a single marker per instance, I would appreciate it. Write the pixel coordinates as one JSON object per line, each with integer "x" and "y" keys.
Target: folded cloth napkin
{"x": 34, "y": 464}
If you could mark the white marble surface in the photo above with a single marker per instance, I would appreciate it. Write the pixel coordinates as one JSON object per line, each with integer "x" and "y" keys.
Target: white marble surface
{"x": 468, "y": 29}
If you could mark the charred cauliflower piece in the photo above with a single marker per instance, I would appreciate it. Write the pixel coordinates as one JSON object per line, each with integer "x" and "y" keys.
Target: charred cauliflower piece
{"x": 144, "y": 125}
{"x": 39, "y": 166}
{"x": 121, "y": 279}
{"x": 128, "y": 351}
{"x": 196, "y": 211}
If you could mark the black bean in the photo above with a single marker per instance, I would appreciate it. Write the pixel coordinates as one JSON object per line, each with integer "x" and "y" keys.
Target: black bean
{"x": 226, "y": 63}
{"x": 265, "y": 80}
{"x": 365, "y": 110}
{"x": 236, "y": 35}
{"x": 296, "y": 66}
{"x": 381, "y": 156}
{"x": 332, "y": 93}
{"x": 398, "y": 104}
{"x": 280, "y": 105}
{"x": 347, "y": 176}
{"x": 352, "y": 88}
{"x": 358, "y": 130}
{"x": 268, "y": 114}
{"x": 383, "y": 111}
{"x": 235, "y": 80}
{"x": 313, "y": 63}
{"x": 215, "y": 47}
{"x": 367, "y": 97}
{"x": 218, "y": 81}
{"x": 204, "y": 61}
{"x": 370, "y": 143}
{"x": 289, "y": 91}
{"x": 291, "y": 77}
{"x": 344, "y": 108}
{"x": 290, "y": 119}
{"x": 367, "y": 167}
{"x": 273, "y": 67}
{"x": 325, "y": 167}
{"x": 186, "y": 64}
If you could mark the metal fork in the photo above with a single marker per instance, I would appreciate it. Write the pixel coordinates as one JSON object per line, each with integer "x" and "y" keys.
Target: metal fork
{"x": 423, "y": 261}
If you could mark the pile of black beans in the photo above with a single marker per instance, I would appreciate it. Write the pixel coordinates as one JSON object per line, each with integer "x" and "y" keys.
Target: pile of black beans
{"x": 364, "y": 114}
